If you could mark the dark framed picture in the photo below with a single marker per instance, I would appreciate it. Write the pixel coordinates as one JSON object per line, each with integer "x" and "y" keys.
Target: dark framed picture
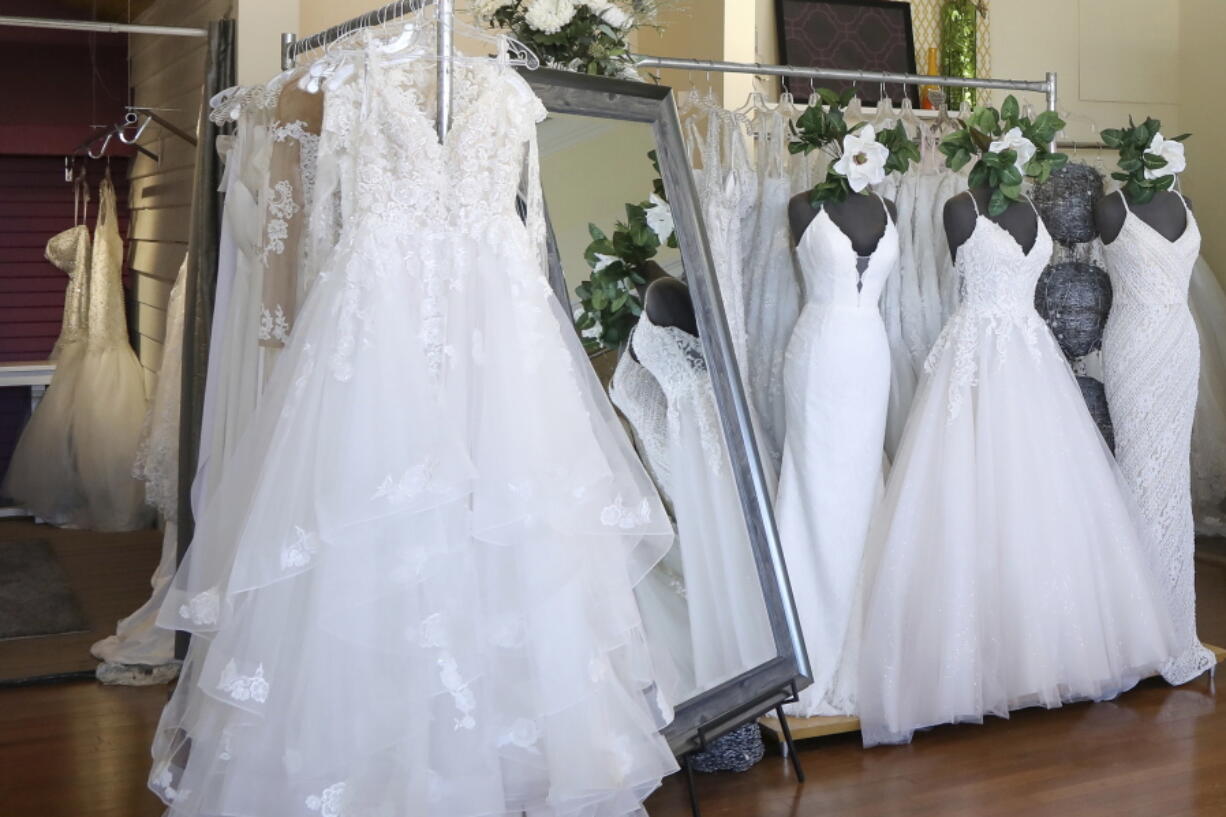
{"x": 864, "y": 35}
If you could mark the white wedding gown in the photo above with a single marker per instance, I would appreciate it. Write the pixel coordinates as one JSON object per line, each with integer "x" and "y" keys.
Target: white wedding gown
{"x": 412, "y": 592}
{"x": 728, "y": 623}
{"x": 137, "y": 639}
{"x": 1208, "y": 304}
{"x": 42, "y": 475}
{"x": 1006, "y": 567}
{"x": 837, "y": 385}
{"x": 772, "y": 293}
{"x": 1151, "y": 365}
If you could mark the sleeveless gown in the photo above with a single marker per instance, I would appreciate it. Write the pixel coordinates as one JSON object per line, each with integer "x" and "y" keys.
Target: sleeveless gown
{"x": 729, "y": 628}
{"x": 1006, "y": 568}
{"x": 837, "y": 386}
{"x": 42, "y": 475}
{"x": 1151, "y": 365}
{"x": 412, "y": 590}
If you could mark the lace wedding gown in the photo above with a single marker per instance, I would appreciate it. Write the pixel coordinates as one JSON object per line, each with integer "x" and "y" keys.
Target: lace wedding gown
{"x": 1151, "y": 364}
{"x": 1208, "y": 304}
{"x": 772, "y": 294}
{"x": 728, "y": 623}
{"x": 1006, "y": 568}
{"x": 837, "y": 384}
{"x": 412, "y": 592}
{"x": 42, "y": 475}
{"x": 137, "y": 639}
{"x": 661, "y": 595}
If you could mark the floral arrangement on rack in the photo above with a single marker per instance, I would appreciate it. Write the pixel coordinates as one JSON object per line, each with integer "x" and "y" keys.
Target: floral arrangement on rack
{"x": 1010, "y": 147}
{"x": 609, "y": 300}
{"x": 588, "y": 36}
{"x": 1149, "y": 161}
{"x": 862, "y": 155}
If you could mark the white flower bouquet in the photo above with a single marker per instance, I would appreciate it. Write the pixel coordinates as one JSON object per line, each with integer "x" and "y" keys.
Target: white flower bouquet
{"x": 588, "y": 36}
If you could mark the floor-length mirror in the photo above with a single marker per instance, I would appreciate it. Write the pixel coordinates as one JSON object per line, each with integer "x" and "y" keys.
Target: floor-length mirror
{"x": 632, "y": 255}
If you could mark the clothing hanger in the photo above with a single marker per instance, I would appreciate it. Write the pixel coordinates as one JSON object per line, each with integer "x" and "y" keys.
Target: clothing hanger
{"x": 855, "y": 107}
{"x": 885, "y": 117}
{"x": 906, "y": 115}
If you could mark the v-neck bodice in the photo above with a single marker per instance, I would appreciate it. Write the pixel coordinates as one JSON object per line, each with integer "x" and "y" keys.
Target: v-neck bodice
{"x": 1148, "y": 269}
{"x": 834, "y": 274}
{"x": 998, "y": 274}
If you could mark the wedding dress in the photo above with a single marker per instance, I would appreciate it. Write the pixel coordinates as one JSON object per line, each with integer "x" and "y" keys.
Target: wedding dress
{"x": 1006, "y": 567}
{"x": 726, "y": 189}
{"x": 837, "y": 380}
{"x": 110, "y": 402}
{"x": 661, "y": 595}
{"x": 772, "y": 292}
{"x": 727, "y": 613}
{"x": 1151, "y": 364}
{"x": 137, "y": 639}
{"x": 1208, "y": 305}
{"x": 411, "y": 592}
{"x": 233, "y": 377}
{"x": 42, "y": 475}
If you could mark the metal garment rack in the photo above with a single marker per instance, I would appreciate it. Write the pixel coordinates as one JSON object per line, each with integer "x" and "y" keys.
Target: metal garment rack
{"x": 292, "y": 46}
{"x": 102, "y": 28}
{"x": 1047, "y": 86}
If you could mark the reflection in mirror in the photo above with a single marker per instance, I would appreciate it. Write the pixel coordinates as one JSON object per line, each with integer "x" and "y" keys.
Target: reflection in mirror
{"x": 703, "y": 606}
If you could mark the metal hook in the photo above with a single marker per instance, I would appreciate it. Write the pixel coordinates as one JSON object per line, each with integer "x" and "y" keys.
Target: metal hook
{"x": 129, "y": 120}
{"x": 101, "y": 151}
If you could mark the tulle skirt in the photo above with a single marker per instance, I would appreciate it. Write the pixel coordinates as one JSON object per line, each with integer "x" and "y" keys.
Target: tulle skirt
{"x": 42, "y": 475}
{"x": 1005, "y": 569}
{"x": 412, "y": 591}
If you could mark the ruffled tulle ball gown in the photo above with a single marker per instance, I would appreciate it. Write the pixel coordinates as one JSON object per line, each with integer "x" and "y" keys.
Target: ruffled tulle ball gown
{"x": 1151, "y": 366}
{"x": 412, "y": 591}
{"x": 42, "y": 475}
{"x": 1005, "y": 568}
{"x": 837, "y": 386}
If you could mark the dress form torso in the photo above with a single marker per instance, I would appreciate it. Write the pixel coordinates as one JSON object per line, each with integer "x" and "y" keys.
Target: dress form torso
{"x": 859, "y": 218}
{"x": 1165, "y": 213}
{"x": 962, "y": 213}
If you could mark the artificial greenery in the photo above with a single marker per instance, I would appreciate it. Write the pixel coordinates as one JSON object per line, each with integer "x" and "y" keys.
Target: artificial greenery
{"x": 609, "y": 297}
{"x": 998, "y": 170}
{"x": 1133, "y": 144}
{"x": 824, "y": 127}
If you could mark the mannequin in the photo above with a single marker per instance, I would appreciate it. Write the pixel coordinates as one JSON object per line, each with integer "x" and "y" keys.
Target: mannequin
{"x": 1021, "y": 220}
{"x": 667, "y": 300}
{"x": 859, "y": 217}
{"x": 1165, "y": 213}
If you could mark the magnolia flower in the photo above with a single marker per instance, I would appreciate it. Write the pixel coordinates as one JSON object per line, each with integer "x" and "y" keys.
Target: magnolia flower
{"x": 1014, "y": 140}
{"x": 1170, "y": 150}
{"x": 548, "y": 16}
{"x": 863, "y": 159}
{"x": 660, "y": 218}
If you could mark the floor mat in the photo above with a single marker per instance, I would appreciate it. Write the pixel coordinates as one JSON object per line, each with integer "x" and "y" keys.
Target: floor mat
{"x": 35, "y": 597}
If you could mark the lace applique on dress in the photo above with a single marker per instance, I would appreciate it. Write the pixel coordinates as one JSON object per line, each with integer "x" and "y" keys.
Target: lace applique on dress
{"x": 330, "y": 802}
{"x": 203, "y": 608}
{"x": 244, "y": 687}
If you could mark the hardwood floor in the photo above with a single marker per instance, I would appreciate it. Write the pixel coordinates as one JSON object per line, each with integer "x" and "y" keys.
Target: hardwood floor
{"x": 74, "y": 749}
{"x": 109, "y": 572}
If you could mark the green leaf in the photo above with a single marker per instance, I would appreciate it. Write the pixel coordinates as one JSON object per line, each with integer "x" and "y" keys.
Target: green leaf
{"x": 595, "y": 232}
{"x": 1112, "y": 137}
{"x": 1181, "y": 137}
{"x": 830, "y": 97}
{"x": 1010, "y": 111}
{"x": 997, "y": 204}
